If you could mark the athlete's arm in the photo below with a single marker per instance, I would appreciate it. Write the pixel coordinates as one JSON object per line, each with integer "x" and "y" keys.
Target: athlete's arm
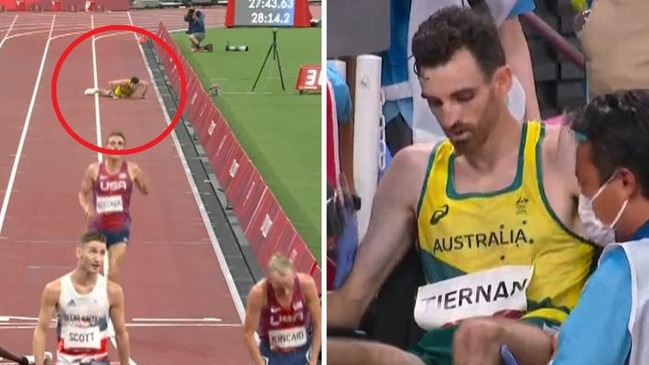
{"x": 6, "y": 354}
{"x": 310, "y": 291}
{"x": 139, "y": 179}
{"x": 49, "y": 298}
{"x": 114, "y": 83}
{"x": 253, "y": 313}
{"x": 116, "y": 295}
{"x": 390, "y": 233}
{"x": 145, "y": 86}
{"x": 596, "y": 331}
{"x": 86, "y": 188}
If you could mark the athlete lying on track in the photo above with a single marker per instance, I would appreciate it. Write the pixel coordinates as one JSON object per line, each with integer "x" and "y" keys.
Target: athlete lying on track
{"x": 122, "y": 89}
{"x": 282, "y": 306}
{"x": 493, "y": 209}
{"x": 84, "y": 301}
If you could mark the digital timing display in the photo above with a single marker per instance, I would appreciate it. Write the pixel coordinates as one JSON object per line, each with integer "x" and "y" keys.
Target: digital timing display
{"x": 264, "y": 13}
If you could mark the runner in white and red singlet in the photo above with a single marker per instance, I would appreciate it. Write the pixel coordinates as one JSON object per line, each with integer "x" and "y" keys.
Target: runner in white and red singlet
{"x": 111, "y": 183}
{"x": 83, "y": 301}
{"x": 285, "y": 308}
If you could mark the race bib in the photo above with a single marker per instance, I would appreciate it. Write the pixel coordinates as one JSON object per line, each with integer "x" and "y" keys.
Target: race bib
{"x": 473, "y": 295}
{"x": 82, "y": 338}
{"x": 109, "y": 204}
{"x": 287, "y": 338}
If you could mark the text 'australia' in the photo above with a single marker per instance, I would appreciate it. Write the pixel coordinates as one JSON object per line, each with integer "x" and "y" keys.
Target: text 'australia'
{"x": 477, "y": 240}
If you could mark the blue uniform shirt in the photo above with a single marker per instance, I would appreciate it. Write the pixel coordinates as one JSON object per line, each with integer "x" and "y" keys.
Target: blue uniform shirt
{"x": 596, "y": 332}
{"x": 198, "y": 25}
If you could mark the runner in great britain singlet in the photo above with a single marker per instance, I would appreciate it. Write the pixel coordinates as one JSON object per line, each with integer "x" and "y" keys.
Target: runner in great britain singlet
{"x": 284, "y": 332}
{"x": 112, "y": 198}
{"x": 502, "y": 253}
{"x": 82, "y": 324}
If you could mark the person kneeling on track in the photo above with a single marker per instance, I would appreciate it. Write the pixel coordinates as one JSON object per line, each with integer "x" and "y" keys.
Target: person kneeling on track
{"x": 282, "y": 306}
{"x": 491, "y": 208}
{"x": 609, "y": 324}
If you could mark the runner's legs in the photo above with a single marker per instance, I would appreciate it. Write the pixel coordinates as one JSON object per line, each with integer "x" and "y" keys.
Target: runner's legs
{"x": 351, "y": 352}
{"x": 116, "y": 241}
{"x": 116, "y": 254}
{"x": 478, "y": 342}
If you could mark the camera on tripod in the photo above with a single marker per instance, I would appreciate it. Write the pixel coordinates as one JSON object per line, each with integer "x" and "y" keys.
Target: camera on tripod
{"x": 275, "y": 52}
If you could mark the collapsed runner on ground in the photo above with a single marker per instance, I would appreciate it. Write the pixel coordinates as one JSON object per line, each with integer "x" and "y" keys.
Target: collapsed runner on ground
{"x": 122, "y": 89}
{"x": 84, "y": 301}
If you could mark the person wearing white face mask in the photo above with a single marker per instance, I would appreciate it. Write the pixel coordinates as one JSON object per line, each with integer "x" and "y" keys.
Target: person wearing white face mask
{"x": 598, "y": 232}
{"x": 610, "y": 322}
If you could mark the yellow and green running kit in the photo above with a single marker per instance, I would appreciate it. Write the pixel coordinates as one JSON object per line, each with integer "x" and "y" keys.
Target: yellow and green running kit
{"x": 503, "y": 253}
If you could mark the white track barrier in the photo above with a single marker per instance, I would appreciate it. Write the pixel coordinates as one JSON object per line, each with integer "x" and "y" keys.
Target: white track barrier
{"x": 367, "y": 134}
{"x": 333, "y": 134}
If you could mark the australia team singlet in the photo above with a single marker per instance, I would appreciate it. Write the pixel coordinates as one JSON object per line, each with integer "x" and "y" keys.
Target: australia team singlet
{"x": 82, "y": 323}
{"x": 285, "y": 329}
{"x": 125, "y": 90}
{"x": 502, "y": 253}
{"x": 112, "y": 198}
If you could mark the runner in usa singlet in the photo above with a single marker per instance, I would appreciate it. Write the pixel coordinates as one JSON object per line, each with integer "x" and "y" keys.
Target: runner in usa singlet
{"x": 285, "y": 329}
{"x": 82, "y": 324}
{"x": 112, "y": 198}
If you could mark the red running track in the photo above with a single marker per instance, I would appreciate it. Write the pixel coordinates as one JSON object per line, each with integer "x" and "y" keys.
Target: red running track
{"x": 173, "y": 265}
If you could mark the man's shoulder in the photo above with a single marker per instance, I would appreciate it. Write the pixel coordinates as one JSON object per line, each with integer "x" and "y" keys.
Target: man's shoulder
{"x": 52, "y": 289}
{"x": 114, "y": 289}
{"x": 414, "y": 155}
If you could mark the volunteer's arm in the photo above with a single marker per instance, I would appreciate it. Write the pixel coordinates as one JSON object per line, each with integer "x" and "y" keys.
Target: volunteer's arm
{"x": 389, "y": 235}
{"x": 49, "y": 298}
{"x": 313, "y": 304}
{"x": 518, "y": 55}
{"x": 596, "y": 331}
{"x": 253, "y": 313}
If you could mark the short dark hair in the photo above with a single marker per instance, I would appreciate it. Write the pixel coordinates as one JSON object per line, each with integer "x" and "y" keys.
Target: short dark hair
{"x": 116, "y": 134}
{"x": 452, "y": 29}
{"x": 92, "y": 236}
{"x": 135, "y": 80}
{"x": 617, "y": 127}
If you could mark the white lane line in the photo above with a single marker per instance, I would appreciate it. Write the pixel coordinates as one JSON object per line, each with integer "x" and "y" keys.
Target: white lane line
{"x": 99, "y": 155}
{"x": 23, "y": 136}
{"x": 204, "y": 319}
{"x": 96, "y": 85}
{"x": 238, "y": 303}
{"x": 6, "y": 36}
